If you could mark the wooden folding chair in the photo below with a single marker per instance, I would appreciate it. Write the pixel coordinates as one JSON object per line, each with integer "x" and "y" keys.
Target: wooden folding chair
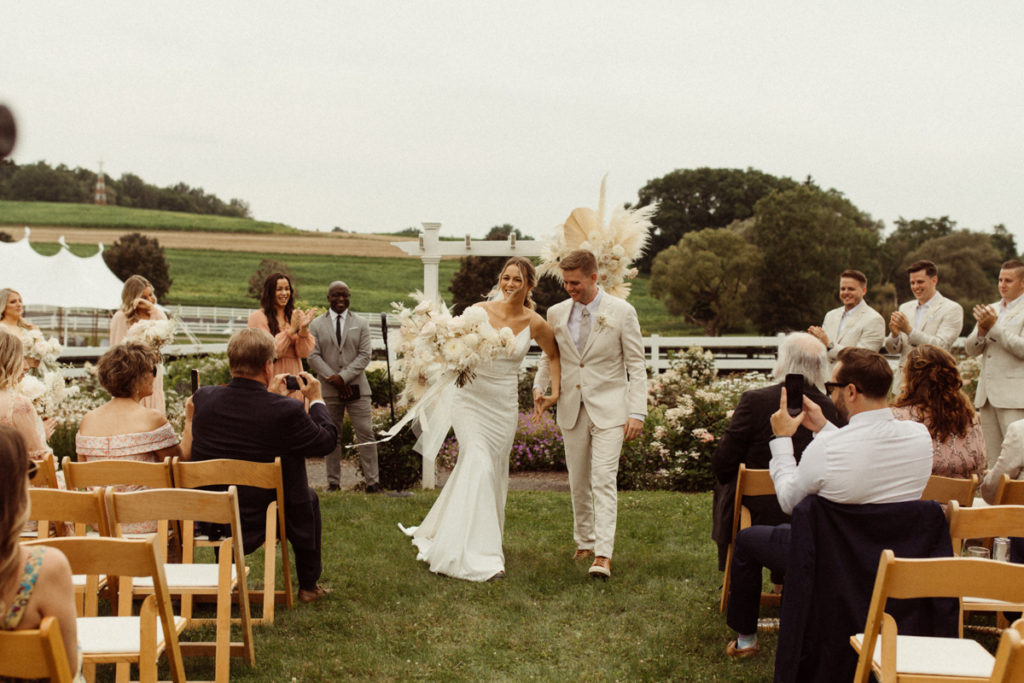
{"x": 46, "y": 475}
{"x": 1010, "y": 491}
{"x": 945, "y": 489}
{"x": 82, "y": 475}
{"x": 188, "y": 578}
{"x": 985, "y": 522}
{"x": 124, "y": 639}
{"x": 1009, "y": 664}
{"x": 35, "y": 653}
{"x": 264, "y": 475}
{"x": 893, "y": 657}
{"x": 81, "y": 510}
{"x": 748, "y": 483}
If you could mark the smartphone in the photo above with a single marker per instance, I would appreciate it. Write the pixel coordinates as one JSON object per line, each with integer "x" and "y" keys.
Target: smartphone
{"x": 195, "y": 380}
{"x": 291, "y": 382}
{"x": 794, "y": 394}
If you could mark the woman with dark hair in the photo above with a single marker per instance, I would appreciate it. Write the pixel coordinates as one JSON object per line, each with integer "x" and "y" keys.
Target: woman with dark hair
{"x": 933, "y": 395}
{"x": 17, "y": 410}
{"x": 138, "y": 302}
{"x": 123, "y": 428}
{"x": 35, "y": 582}
{"x": 287, "y": 325}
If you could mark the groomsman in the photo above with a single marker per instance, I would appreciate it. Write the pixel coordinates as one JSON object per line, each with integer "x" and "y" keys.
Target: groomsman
{"x": 930, "y": 319}
{"x": 854, "y": 323}
{"x": 603, "y": 400}
{"x": 999, "y": 339}
{"x": 339, "y": 359}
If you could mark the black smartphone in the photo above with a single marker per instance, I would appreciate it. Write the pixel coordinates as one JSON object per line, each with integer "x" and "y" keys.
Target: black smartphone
{"x": 794, "y": 394}
{"x": 195, "y": 380}
{"x": 291, "y": 382}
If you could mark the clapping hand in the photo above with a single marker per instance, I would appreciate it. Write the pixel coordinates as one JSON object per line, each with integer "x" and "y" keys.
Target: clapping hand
{"x": 899, "y": 323}
{"x": 302, "y": 318}
{"x": 986, "y": 317}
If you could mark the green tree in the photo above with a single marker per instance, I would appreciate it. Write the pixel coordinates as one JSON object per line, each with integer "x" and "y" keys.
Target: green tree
{"x": 807, "y": 236}
{"x": 263, "y": 270}
{"x": 694, "y": 199}
{"x": 1004, "y": 242}
{"x": 136, "y": 254}
{"x": 39, "y": 182}
{"x": 908, "y": 236}
{"x": 704, "y": 278}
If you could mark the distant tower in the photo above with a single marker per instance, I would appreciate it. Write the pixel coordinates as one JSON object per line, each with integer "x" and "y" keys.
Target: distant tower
{"x": 100, "y": 196}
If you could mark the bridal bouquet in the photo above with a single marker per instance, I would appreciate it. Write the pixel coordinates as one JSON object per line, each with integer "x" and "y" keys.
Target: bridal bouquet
{"x": 47, "y": 393}
{"x": 437, "y": 348}
{"x": 153, "y": 333}
{"x": 39, "y": 348}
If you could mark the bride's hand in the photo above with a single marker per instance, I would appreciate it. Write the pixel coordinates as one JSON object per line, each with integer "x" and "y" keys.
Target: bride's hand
{"x": 541, "y": 404}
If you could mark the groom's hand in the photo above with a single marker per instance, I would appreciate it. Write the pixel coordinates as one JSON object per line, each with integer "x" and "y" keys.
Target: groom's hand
{"x": 634, "y": 428}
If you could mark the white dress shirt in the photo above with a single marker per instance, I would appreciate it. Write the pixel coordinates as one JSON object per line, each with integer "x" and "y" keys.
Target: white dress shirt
{"x": 874, "y": 459}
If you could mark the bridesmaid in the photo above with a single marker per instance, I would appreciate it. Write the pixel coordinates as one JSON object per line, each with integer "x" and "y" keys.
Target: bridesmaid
{"x": 11, "y": 320}
{"x": 138, "y": 302}
{"x": 287, "y": 325}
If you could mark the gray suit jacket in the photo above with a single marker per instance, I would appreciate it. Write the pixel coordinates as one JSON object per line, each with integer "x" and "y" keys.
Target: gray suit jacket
{"x": 348, "y": 360}
{"x": 1002, "y": 366}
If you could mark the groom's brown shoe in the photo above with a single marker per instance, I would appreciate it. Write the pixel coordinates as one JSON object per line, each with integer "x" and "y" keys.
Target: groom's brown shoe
{"x": 602, "y": 568}
{"x": 582, "y": 554}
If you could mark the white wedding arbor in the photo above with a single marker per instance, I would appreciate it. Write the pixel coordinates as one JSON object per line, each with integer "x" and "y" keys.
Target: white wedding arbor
{"x": 430, "y": 249}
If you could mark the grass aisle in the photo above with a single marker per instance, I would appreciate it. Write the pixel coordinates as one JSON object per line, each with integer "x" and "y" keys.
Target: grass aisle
{"x": 389, "y": 618}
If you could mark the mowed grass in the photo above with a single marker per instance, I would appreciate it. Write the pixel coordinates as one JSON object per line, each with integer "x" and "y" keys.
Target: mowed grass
{"x": 71, "y": 214}
{"x": 389, "y": 618}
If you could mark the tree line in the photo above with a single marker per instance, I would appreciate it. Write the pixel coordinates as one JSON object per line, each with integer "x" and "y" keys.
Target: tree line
{"x": 44, "y": 183}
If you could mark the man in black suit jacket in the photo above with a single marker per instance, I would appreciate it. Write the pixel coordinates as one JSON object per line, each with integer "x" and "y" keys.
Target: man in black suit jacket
{"x": 746, "y": 439}
{"x": 252, "y": 418}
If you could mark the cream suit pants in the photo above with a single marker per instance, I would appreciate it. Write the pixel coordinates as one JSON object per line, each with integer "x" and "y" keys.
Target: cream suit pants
{"x": 592, "y": 458}
{"x": 994, "y": 423}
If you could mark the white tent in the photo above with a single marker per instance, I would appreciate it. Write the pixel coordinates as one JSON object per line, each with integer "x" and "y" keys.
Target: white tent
{"x": 62, "y": 280}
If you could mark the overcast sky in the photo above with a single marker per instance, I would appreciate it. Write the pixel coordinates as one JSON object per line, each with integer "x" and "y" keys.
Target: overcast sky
{"x": 378, "y": 115}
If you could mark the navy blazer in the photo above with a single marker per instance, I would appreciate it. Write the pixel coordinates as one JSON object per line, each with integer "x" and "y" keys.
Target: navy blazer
{"x": 243, "y": 420}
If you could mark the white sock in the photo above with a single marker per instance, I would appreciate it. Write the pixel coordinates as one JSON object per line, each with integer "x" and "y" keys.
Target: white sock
{"x": 743, "y": 642}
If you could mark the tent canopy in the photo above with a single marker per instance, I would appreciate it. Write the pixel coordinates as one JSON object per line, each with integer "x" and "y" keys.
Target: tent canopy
{"x": 62, "y": 280}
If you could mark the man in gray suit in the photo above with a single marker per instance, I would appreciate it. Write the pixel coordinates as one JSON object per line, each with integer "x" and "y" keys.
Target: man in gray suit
{"x": 339, "y": 359}
{"x": 999, "y": 339}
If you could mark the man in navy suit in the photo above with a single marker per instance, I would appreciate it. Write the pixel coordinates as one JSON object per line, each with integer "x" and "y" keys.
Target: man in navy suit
{"x": 252, "y": 418}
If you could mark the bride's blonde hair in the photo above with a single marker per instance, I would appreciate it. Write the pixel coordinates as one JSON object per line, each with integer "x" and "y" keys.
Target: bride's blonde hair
{"x": 529, "y": 275}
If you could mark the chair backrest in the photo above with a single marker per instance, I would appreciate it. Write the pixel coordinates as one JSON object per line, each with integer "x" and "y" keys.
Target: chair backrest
{"x": 94, "y": 556}
{"x": 154, "y": 475}
{"x": 80, "y": 508}
{"x": 1010, "y": 491}
{"x": 749, "y": 483}
{"x": 35, "y": 653}
{"x": 935, "y": 578}
{"x": 984, "y": 522}
{"x": 1009, "y": 664}
{"x": 945, "y": 489}
{"x": 46, "y": 475}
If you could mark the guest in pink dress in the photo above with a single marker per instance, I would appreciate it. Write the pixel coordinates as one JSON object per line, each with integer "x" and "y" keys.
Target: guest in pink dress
{"x": 933, "y": 395}
{"x": 287, "y": 325}
{"x": 11, "y": 309}
{"x": 123, "y": 428}
{"x": 16, "y": 410}
{"x": 138, "y": 302}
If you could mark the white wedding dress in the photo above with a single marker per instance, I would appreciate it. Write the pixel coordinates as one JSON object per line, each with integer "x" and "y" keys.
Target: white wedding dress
{"x": 461, "y": 535}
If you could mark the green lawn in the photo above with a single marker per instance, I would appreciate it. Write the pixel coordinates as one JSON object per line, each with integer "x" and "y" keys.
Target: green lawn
{"x": 389, "y": 618}
{"x": 71, "y": 214}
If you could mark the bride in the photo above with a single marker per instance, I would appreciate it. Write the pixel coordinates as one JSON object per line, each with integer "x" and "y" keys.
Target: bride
{"x": 461, "y": 535}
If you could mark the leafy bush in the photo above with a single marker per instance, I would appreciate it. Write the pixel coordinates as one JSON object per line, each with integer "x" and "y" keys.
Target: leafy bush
{"x": 137, "y": 254}
{"x": 399, "y": 465}
{"x": 377, "y": 376}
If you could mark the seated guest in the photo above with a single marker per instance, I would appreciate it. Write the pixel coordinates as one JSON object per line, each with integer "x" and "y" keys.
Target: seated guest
{"x": 16, "y": 410}
{"x": 1011, "y": 461}
{"x": 746, "y": 439}
{"x": 35, "y": 582}
{"x": 874, "y": 459}
{"x": 932, "y": 394}
{"x": 252, "y": 418}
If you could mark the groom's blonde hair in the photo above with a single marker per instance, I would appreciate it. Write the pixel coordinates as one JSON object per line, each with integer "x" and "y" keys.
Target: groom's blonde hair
{"x": 579, "y": 259}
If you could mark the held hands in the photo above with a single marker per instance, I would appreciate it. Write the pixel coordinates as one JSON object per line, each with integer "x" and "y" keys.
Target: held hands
{"x": 541, "y": 403}
{"x": 784, "y": 424}
{"x": 986, "y": 317}
{"x": 899, "y": 323}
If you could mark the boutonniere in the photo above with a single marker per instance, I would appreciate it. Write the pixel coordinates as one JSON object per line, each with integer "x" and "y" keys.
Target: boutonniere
{"x": 602, "y": 321}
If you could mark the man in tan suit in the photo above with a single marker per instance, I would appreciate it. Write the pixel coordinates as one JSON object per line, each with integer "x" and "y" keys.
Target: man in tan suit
{"x": 854, "y": 323}
{"x": 930, "y": 319}
{"x": 999, "y": 339}
{"x": 603, "y": 400}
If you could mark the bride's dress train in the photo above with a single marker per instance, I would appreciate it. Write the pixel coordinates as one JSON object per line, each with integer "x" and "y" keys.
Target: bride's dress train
{"x": 461, "y": 535}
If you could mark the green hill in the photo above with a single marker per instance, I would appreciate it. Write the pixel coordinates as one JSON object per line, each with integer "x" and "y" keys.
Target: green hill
{"x": 91, "y": 215}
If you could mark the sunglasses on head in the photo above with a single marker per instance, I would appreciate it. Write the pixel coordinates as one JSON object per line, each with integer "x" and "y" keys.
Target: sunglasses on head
{"x": 829, "y": 386}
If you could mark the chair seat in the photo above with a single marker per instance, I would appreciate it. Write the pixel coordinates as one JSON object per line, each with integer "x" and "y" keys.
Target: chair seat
{"x": 98, "y": 636}
{"x": 78, "y": 580}
{"x": 936, "y": 656}
{"x": 187, "y": 577}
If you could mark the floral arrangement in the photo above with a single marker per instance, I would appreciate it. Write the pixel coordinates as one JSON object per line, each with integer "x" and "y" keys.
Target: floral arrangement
{"x": 48, "y": 393}
{"x": 615, "y": 243}
{"x": 153, "y": 333}
{"x": 436, "y": 348}
{"x": 39, "y": 348}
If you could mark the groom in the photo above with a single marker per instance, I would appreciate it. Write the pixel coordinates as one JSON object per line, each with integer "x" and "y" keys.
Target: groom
{"x": 603, "y": 400}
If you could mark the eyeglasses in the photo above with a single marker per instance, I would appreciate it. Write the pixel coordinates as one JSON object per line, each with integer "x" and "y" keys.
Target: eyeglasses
{"x": 831, "y": 386}
{"x": 33, "y": 468}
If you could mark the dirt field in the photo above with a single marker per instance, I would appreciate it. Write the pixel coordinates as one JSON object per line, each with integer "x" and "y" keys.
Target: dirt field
{"x": 339, "y": 244}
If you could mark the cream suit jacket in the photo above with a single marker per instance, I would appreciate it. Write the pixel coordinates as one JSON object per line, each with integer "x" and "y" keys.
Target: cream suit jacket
{"x": 864, "y": 329}
{"x": 609, "y": 376}
{"x": 940, "y": 327}
{"x": 1002, "y": 364}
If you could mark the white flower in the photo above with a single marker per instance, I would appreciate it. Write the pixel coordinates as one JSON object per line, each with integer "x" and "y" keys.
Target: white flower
{"x": 471, "y": 340}
{"x": 428, "y": 329}
{"x": 475, "y": 315}
{"x": 506, "y": 335}
{"x": 31, "y": 388}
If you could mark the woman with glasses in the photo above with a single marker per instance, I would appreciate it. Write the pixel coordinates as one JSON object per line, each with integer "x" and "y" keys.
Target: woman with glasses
{"x": 933, "y": 395}
{"x": 35, "y": 582}
{"x": 17, "y": 410}
{"x": 123, "y": 428}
